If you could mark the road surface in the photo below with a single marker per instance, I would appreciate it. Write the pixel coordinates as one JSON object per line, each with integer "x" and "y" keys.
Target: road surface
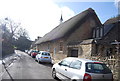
{"x": 25, "y": 67}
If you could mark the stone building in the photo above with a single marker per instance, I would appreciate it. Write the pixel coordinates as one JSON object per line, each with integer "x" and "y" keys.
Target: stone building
{"x": 107, "y": 45}
{"x": 106, "y": 37}
{"x": 63, "y": 38}
{"x": 84, "y": 36}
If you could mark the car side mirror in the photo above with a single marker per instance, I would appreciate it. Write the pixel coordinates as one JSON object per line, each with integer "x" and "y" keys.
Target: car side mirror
{"x": 59, "y": 64}
{"x": 3, "y": 62}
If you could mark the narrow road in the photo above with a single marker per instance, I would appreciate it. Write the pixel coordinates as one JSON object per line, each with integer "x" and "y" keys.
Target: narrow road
{"x": 25, "y": 67}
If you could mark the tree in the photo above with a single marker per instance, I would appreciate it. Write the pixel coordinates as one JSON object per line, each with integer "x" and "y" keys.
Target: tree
{"x": 12, "y": 27}
{"x": 14, "y": 35}
{"x": 6, "y": 43}
{"x": 22, "y": 32}
{"x": 23, "y": 43}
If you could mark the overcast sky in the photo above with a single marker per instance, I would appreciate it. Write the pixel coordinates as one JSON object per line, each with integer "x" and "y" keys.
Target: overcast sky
{"x": 39, "y": 17}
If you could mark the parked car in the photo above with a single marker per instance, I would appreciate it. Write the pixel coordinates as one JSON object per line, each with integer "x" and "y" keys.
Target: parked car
{"x": 43, "y": 56}
{"x": 34, "y": 53}
{"x": 77, "y": 69}
{"x": 29, "y": 52}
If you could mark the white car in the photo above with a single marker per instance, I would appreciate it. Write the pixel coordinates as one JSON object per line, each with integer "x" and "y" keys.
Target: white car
{"x": 43, "y": 56}
{"x": 77, "y": 69}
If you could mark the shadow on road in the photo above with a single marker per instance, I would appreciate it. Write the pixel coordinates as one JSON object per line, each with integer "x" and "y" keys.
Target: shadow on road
{"x": 47, "y": 64}
{"x": 8, "y": 72}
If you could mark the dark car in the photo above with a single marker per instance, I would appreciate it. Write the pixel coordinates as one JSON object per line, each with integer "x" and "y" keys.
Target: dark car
{"x": 34, "y": 53}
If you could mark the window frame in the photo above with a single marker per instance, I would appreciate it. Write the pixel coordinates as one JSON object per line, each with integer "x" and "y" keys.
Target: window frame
{"x": 61, "y": 46}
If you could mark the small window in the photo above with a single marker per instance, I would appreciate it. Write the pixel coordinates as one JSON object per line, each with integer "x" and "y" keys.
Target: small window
{"x": 61, "y": 46}
{"x": 45, "y": 53}
{"x": 97, "y": 33}
{"x": 101, "y": 32}
{"x": 76, "y": 64}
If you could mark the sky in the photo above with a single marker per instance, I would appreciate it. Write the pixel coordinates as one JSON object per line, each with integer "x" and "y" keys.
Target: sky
{"x": 39, "y": 17}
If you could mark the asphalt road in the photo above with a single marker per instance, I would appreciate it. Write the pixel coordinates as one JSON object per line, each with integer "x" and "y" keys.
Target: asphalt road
{"x": 26, "y": 68}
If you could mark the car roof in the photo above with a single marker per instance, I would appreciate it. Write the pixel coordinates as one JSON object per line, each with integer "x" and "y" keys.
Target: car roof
{"x": 44, "y": 51}
{"x": 81, "y": 59}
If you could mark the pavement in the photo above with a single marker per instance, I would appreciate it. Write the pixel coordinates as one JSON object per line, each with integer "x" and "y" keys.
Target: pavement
{"x": 8, "y": 61}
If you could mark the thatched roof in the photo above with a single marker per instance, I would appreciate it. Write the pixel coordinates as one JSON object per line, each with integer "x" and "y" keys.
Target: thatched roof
{"x": 112, "y": 20}
{"x": 84, "y": 42}
{"x": 110, "y": 23}
{"x": 107, "y": 28}
{"x": 67, "y": 27}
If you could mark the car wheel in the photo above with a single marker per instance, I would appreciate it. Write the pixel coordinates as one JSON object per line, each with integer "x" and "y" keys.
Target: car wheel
{"x": 38, "y": 61}
{"x": 54, "y": 74}
{"x": 35, "y": 59}
{"x": 73, "y": 80}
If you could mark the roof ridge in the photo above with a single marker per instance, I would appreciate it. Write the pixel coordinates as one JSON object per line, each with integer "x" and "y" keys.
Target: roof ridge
{"x": 65, "y": 27}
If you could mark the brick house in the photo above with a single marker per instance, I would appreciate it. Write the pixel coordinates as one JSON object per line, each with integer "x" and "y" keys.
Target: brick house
{"x": 64, "y": 38}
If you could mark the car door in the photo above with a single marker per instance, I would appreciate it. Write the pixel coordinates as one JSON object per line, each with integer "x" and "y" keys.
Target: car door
{"x": 62, "y": 68}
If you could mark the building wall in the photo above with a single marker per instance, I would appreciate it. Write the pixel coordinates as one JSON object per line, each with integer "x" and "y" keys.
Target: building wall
{"x": 107, "y": 53}
{"x": 86, "y": 51}
{"x": 83, "y": 32}
{"x": 104, "y": 45}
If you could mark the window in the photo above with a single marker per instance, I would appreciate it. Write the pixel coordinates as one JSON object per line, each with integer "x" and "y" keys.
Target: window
{"x": 76, "y": 64}
{"x": 97, "y": 68}
{"x": 61, "y": 46}
{"x": 48, "y": 47}
{"x": 65, "y": 62}
{"x": 101, "y": 32}
{"x": 98, "y": 32}
{"x": 45, "y": 53}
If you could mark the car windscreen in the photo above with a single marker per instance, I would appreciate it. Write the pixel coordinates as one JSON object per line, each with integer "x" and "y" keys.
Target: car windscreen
{"x": 97, "y": 68}
{"x": 35, "y": 51}
{"x": 45, "y": 53}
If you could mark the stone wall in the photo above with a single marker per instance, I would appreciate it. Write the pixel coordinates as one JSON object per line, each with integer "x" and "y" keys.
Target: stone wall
{"x": 112, "y": 62}
{"x": 57, "y": 57}
{"x": 85, "y": 51}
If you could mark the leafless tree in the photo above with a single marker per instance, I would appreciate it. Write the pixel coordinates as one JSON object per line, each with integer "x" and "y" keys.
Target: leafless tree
{"x": 12, "y": 27}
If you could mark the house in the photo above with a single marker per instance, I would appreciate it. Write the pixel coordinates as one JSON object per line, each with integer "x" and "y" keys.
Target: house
{"x": 33, "y": 45}
{"x": 106, "y": 37}
{"x": 66, "y": 37}
{"x": 107, "y": 45}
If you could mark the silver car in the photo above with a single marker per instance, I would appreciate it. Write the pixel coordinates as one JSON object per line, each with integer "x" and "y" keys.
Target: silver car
{"x": 77, "y": 69}
{"x": 43, "y": 56}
